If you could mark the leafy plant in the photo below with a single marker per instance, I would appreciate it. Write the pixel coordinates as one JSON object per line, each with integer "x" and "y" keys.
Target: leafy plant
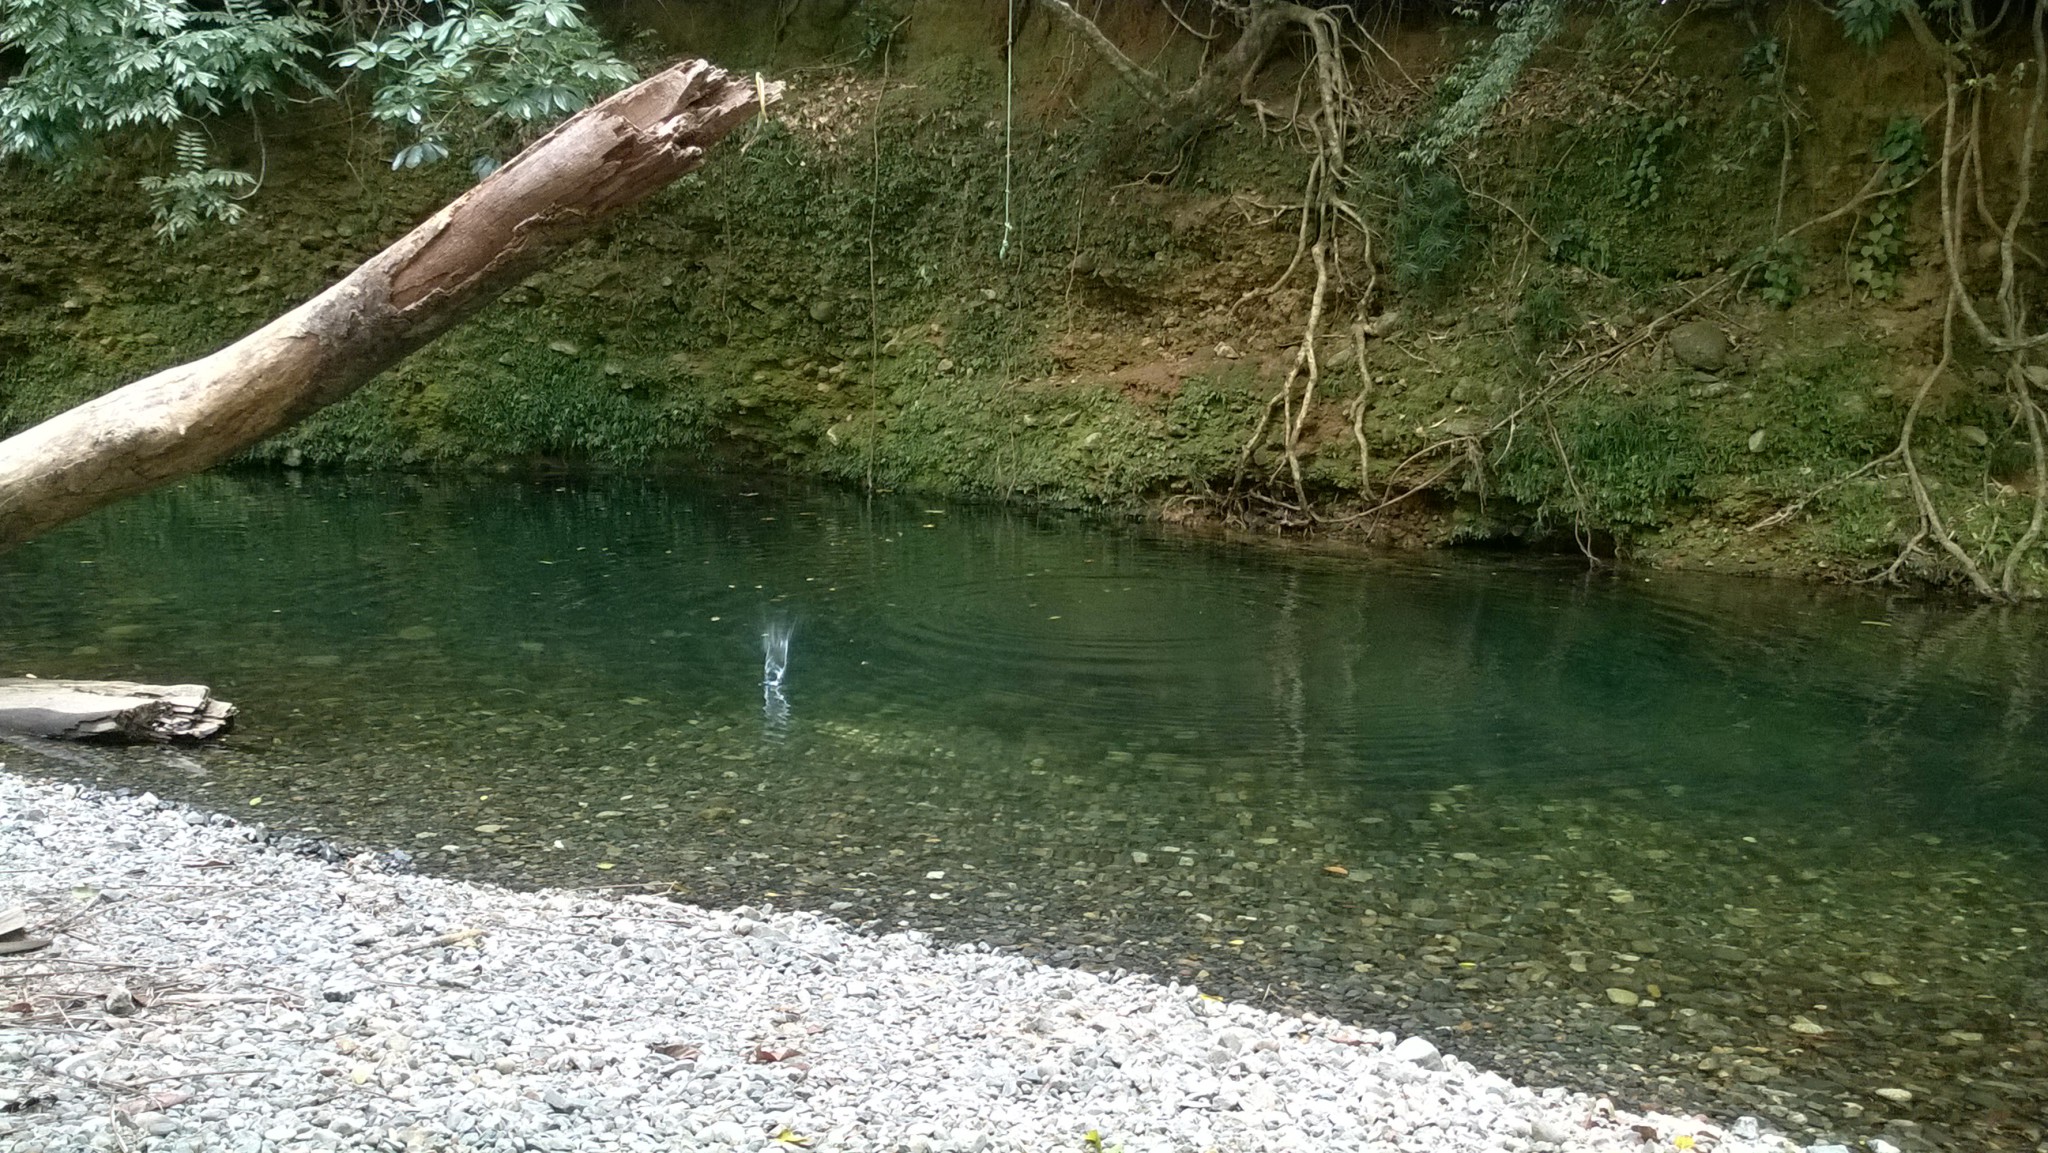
{"x": 879, "y": 20}
{"x": 197, "y": 192}
{"x": 1430, "y": 229}
{"x": 1577, "y": 243}
{"x": 1543, "y": 318}
{"x": 1643, "y": 178}
{"x": 1784, "y": 272}
{"x": 534, "y": 60}
{"x": 1880, "y": 248}
{"x": 94, "y": 68}
{"x": 1761, "y": 60}
{"x": 1867, "y": 22}
{"x": 1477, "y": 85}
{"x": 1626, "y": 465}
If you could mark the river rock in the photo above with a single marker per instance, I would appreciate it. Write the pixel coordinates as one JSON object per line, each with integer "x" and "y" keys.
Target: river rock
{"x": 1418, "y": 1051}
{"x": 1701, "y": 344}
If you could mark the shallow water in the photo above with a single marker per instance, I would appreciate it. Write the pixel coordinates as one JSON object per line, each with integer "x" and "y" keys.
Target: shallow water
{"x": 1714, "y": 844}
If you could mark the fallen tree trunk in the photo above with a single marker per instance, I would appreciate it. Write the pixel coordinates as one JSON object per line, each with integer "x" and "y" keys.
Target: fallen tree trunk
{"x": 111, "y": 710}
{"x": 179, "y": 421}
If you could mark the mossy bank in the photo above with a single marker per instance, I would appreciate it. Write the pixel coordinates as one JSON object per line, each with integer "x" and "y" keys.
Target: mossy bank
{"x": 937, "y": 268}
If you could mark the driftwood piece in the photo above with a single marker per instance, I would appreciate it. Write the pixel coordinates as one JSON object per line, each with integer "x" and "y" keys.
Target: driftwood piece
{"x": 602, "y": 160}
{"x": 111, "y": 711}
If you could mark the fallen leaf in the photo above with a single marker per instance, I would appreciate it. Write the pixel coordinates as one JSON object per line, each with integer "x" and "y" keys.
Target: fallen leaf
{"x": 679, "y": 1051}
{"x": 770, "y": 1056}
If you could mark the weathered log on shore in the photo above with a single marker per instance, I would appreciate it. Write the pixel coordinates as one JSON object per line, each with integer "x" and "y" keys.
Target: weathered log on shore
{"x": 111, "y": 711}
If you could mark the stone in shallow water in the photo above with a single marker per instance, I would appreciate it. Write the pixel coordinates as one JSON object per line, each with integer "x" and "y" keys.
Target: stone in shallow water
{"x": 1622, "y": 997}
{"x": 1893, "y": 1094}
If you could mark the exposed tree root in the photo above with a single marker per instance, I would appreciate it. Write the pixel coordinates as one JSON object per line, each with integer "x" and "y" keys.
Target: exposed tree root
{"x": 2001, "y": 325}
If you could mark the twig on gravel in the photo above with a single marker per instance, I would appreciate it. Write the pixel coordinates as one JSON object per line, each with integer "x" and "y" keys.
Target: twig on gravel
{"x": 133, "y": 1086}
{"x": 454, "y": 938}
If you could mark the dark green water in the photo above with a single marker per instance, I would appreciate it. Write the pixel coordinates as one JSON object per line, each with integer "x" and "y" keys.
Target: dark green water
{"x": 1722, "y": 845}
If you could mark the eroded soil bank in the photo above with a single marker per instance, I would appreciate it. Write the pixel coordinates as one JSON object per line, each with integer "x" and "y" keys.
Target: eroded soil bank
{"x": 1596, "y": 325}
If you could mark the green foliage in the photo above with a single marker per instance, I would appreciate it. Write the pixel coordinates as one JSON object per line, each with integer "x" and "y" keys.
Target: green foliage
{"x": 1635, "y": 462}
{"x": 1820, "y": 413}
{"x": 1902, "y": 149}
{"x": 197, "y": 191}
{"x": 1472, "y": 90}
{"x": 879, "y": 20}
{"x": 1784, "y": 268}
{"x": 95, "y": 68}
{"x": 1643, "y": 176}
{"x": 533, "y": 60}
{"x": 1761, "y": 60}
{"x": 1577, "y": 242}
{"x": 1543, "y": 318}
{"x": 1431, "y": 229}
{"x": 544, "y": 406}
{"x": 98, "y": 70}
{"x": 1867, "y": 22}
{"x": 1880, "y": 249}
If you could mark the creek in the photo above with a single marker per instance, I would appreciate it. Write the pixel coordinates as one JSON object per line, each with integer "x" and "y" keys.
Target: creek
{"x": 1734, "y": 846}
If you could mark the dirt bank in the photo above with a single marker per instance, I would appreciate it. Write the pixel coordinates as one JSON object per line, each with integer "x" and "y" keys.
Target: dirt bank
{"x": 1599, "y": 324}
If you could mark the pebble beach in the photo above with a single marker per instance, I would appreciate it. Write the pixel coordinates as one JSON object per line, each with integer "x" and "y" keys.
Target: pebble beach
{"x": 208, "y": 989}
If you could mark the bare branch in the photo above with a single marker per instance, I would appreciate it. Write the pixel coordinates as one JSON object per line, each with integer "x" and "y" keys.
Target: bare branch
{"x": 1134, "y": 74}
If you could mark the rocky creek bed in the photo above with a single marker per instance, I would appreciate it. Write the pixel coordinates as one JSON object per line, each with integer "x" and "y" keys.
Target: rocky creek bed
{"x": 1679, "y": 955}
{"x": 209, "y": 988}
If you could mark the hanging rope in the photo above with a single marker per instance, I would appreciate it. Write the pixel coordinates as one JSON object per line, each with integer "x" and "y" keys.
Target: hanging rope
{"x": 1009, "y": 122}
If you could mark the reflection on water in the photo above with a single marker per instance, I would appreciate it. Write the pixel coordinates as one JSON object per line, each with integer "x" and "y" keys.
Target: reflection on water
{"x": 1723, "y": 844}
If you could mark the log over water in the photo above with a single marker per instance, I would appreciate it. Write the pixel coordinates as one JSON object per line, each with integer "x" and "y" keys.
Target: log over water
{"x": 595, "y": 164}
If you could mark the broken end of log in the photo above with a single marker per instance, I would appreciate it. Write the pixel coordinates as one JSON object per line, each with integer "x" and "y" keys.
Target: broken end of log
{"x": 114, "y": 711}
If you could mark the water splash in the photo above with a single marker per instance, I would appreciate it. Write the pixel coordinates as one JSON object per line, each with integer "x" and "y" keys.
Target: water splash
{"x": 774, "y": 664}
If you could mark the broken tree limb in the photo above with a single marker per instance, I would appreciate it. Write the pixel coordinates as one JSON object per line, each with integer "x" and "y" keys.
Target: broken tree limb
{"x": 111, "y": 711}
{"x": 604, "y": 159}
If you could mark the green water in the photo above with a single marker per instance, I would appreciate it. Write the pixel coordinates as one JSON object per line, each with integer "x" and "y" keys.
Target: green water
{"x": 1722, "y": 845}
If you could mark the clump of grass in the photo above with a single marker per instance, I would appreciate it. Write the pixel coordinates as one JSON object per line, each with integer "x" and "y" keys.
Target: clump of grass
{"x": 1432, "y": 230}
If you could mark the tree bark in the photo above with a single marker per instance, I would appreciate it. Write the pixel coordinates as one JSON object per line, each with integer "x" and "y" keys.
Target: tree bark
{"x": 111, "y": 710}
{"x": 1133, "y": 73}
{"x": 179, "y": 421}
{"x": 1200, "y": 105}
